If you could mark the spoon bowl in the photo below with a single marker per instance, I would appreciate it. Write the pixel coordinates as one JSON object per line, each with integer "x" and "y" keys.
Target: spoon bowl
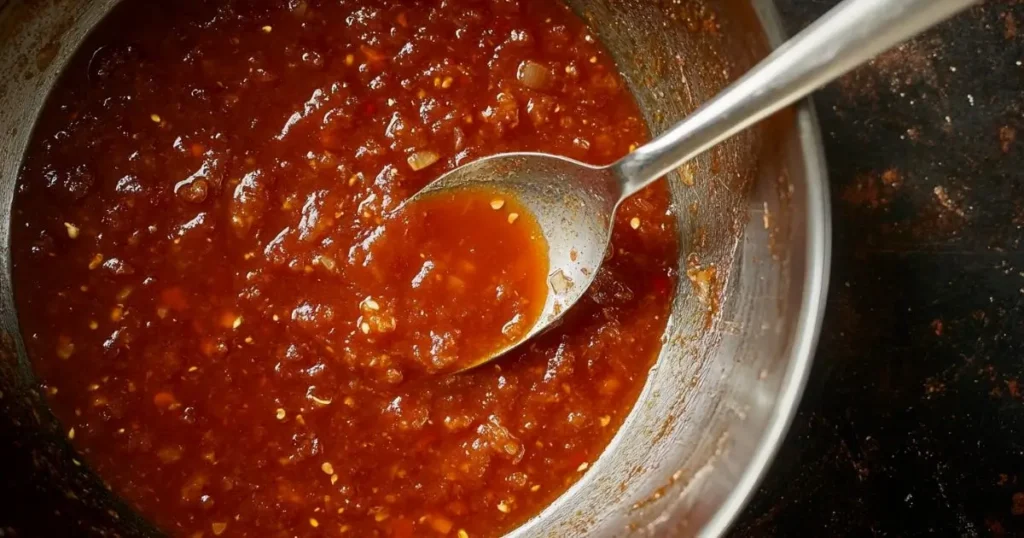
{"x": 574, "y": 204}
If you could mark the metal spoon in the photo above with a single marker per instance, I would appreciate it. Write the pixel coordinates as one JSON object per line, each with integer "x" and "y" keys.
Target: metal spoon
{"x": 575, "y": 203}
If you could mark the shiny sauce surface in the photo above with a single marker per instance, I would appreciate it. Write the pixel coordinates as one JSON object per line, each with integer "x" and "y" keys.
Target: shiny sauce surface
{"x": 466, "y": 272}
{"x": 236, "y": 332}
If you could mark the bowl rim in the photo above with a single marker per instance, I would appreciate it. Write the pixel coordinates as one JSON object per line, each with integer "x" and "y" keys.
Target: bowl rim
{"x": 817, "y": 253}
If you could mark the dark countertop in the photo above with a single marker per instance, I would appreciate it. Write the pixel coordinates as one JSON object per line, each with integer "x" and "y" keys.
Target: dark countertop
{"x": 913, "y": 420}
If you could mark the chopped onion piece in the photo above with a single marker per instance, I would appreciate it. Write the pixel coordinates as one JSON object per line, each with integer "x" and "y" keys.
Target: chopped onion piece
{"x": 533, "y": 75}
{"x": 422, "y": 159}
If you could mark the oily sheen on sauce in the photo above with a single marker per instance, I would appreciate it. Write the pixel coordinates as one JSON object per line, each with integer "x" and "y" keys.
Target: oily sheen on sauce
{"x": 239, "y": 335}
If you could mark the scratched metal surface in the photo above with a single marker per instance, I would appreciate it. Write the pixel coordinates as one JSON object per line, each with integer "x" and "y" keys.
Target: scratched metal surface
{"x": 913, "y": 422}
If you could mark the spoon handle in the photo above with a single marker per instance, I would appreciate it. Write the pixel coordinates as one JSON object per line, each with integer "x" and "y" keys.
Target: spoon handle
{"x": 850, "y": 34}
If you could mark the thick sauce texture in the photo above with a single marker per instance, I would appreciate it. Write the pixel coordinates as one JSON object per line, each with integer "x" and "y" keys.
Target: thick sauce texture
{"x": 239, "y": 336}
{"x": 467, "y": 273}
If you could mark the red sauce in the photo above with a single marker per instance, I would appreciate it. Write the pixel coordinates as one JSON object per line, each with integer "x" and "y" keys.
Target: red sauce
{"x": 465, "y": 271}
{"x": 206, "y": 207}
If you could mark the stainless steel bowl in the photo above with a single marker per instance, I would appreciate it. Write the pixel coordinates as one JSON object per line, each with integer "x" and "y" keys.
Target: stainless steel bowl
{"x": 744, "y": 321}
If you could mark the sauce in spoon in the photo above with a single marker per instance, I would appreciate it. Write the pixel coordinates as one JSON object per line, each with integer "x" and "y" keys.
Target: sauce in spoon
{"x": 467, "y": 269}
